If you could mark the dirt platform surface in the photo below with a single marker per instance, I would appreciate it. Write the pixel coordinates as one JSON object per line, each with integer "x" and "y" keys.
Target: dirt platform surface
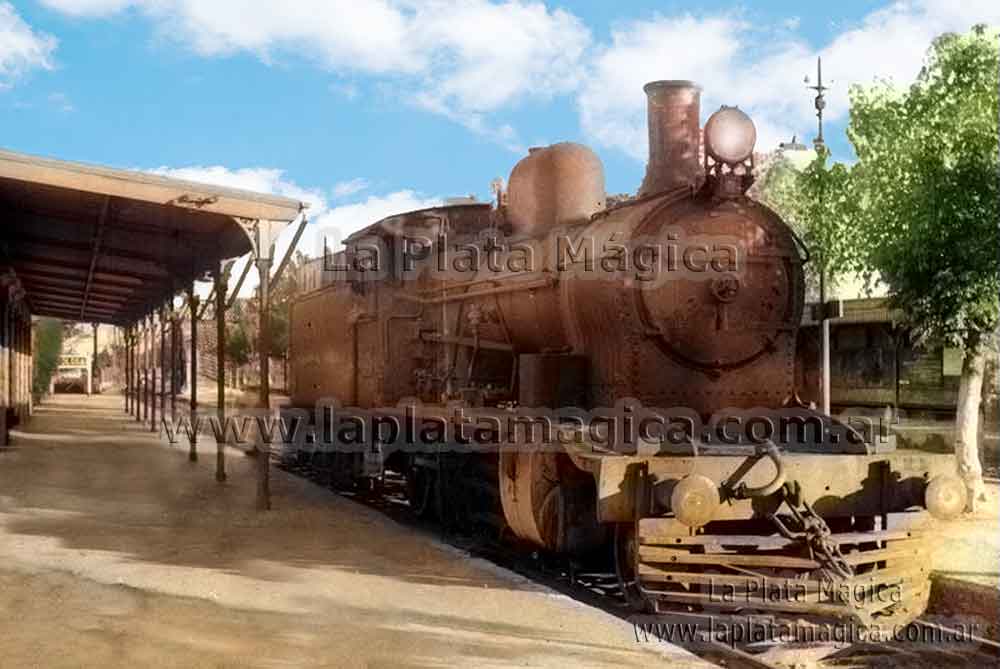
{"x": 115, "y": 551}
{"x": 968, "y": 548}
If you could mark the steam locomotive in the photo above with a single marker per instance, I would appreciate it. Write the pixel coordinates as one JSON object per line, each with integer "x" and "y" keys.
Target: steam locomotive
{"x": 617, "y": 376}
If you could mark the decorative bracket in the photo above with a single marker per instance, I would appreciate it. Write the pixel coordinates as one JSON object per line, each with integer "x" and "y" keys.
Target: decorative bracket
{"x": 262, "y": 234}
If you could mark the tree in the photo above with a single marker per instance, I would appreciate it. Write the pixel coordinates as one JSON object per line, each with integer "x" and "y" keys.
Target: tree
{"x": 927, "y": 183}
{"x": 818, "y": 202}
{"x": 238, "y": 344}
{"x": 282, "y": 293}
{"x": 48, "y": 348}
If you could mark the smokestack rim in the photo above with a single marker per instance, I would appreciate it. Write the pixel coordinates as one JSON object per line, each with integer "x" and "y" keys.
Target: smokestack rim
{"x": 661, "y": 84}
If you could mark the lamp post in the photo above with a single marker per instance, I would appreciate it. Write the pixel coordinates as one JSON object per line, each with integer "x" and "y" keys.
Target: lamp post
{"x": 820, "y": 145}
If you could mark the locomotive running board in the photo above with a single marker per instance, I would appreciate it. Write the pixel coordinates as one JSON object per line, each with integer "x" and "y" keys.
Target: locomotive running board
{"x": 768, "y": 574}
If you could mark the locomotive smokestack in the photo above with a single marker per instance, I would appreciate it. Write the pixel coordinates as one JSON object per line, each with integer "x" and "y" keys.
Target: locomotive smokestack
{"x": 673, "y": 109}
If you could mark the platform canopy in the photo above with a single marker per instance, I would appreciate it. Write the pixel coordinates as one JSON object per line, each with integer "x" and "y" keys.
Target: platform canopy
{"x": 106, "y": 245}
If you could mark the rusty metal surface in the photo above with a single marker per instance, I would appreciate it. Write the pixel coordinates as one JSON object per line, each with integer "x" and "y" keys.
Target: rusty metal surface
{"x": 501, "y": 334}
{"x": 703, "y": 342}
{"x": 673, "y": 109}
{"x": 835, "y": 485}
{"x": 561, "y": 184}
{"x": 889, "y": 569}
{"x": 552, "y": 380}
{"x": 322, "y": 346}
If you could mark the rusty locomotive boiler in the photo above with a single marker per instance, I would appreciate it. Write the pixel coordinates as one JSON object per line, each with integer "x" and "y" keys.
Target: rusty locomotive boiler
{"x": 643, "y": 353}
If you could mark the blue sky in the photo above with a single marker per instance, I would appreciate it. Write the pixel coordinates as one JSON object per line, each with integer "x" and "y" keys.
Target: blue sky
{"x": 367, "y": 106}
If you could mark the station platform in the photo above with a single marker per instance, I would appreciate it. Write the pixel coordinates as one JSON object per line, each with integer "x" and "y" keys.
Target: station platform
{"x": 966, "y": 562}
{"x": 116, "y": 551}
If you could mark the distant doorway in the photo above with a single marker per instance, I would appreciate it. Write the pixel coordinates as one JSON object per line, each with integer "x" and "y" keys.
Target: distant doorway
{"x": 72, "y": 376}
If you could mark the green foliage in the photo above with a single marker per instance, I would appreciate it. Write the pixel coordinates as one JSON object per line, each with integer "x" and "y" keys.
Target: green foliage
{"x": 238, "y": 342}
{"x": 927, "y": 186}
{"x": 105, "y": 359}
{"x": 48, "y": 348}
{"x": 819, "y": 203}
{"x": 241, "y": 338}
{"x": 282, "y": 294}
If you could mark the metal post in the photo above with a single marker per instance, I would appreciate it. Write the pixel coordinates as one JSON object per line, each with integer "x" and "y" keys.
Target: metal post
{"x": 20, "y": 363}
{"x": 152, "y": 373}
{"x": 29, "y": 365}
{"x": 3, "y": 375}
{"x": 25, "y": 378}
{"x": 15, "y": 360}
{"x": 221, "y": 287}
{"x": 136, "y": 389}
{"x": 4, "y": 355}
{"x": 826, "y": 366}
{"x": 25, "y": 387}
{"x": 264, "y": 349}
{"x": 163, "y": 362}
{"x": 18, "y": 367}
{"x": 173, "y": 364}
{"x": 19, "y": 347}
{"x": 128, "y": 368}
{"x": 130, "y": 372}
{"x": 193, "y": 382}
{"x": 11, "y": 355}
{"x": 145, "y": 369}
{"x": 26, "y": 364}
{"x": 820, "y": 104}
{"x": 93, "y": 362}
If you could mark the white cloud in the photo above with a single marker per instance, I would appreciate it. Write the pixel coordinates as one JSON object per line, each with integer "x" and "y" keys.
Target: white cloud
{"x": 760, "y": 70}
{"x": 21, "y": 48}
{"x": 336, "y": 224}
{"x": 350, "y": 187}
{"x": 611, "y": 102}
{"x": 488, "y": 55}
{"x": 463, "y": 58}
{"x": 256, "y": 179}
{"x": 327, "y": 225}
{"x": 891, "y": 43}
{"x": 469, "y": 59}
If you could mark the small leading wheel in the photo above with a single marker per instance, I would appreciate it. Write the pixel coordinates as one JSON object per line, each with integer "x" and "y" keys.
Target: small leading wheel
{"x": 626, "y": 560}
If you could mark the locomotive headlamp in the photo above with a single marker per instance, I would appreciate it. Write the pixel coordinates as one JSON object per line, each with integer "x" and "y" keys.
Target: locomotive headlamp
{"x": 730, "y": 136}
{"x": 945, "y": 497}
{"x": 695, "y": 500}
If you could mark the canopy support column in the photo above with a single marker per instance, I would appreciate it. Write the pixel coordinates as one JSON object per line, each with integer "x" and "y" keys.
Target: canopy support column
{"x": 193, "y": 381}
{"x": 163, "y": 361}
{"x": 153, "y": 327}
{"x": 174, "y": 334}
{"x": 136, "y": 364}
{"x": 128, "y": 368}
{"x": 221, "y": 286}
{"x": 264, "y": 350}
{"x": 4, "y": 381}
{"x": 91, "y": 381}
{"x": 133, "y": 367}
{"x": 136, "y": 350}
{"x": 145, "y": 368}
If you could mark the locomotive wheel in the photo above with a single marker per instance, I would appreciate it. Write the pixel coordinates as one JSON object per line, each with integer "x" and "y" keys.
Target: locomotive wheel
{"x": 626, "y": 559}
{"x": 549, "y": 502}
{"x": 422, "y": 492}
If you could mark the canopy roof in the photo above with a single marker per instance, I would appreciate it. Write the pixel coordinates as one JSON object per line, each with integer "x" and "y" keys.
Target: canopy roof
{"x": 105, "y": 245}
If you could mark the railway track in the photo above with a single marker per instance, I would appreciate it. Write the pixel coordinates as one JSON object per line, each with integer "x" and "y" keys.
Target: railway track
{"x": 596, "y": 584}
